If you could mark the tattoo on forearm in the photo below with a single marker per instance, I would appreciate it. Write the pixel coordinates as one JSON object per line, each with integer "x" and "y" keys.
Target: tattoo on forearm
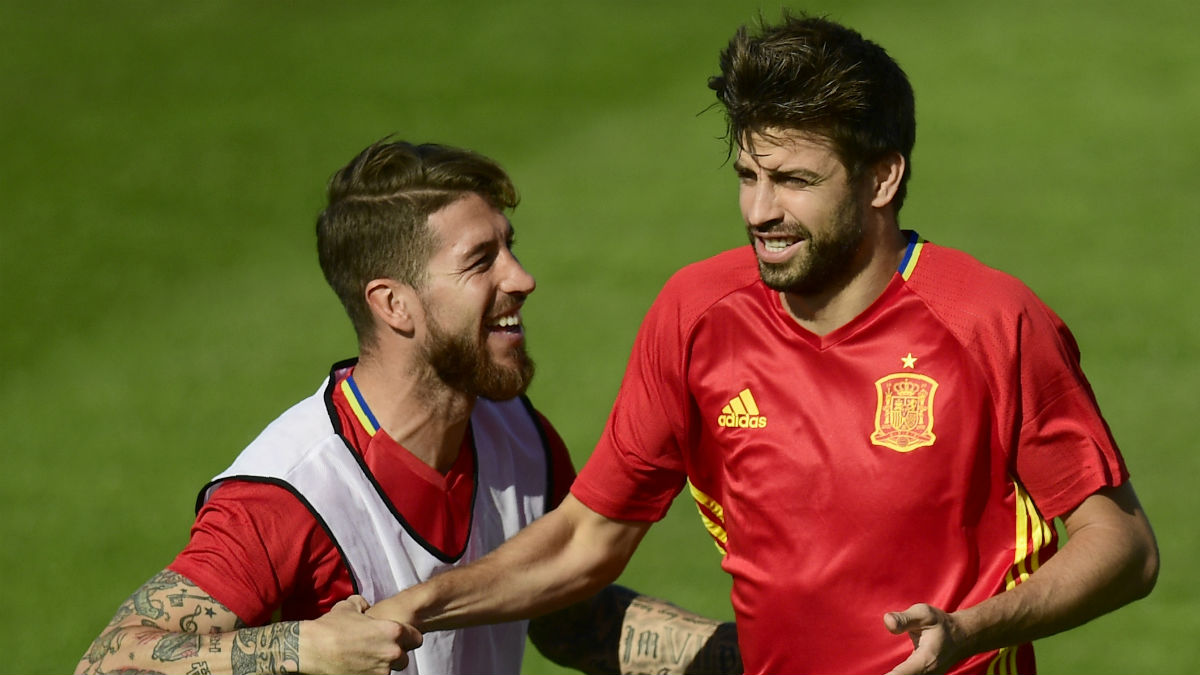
{"x": 274, "y": 648}
{"x": 619, "y": 631}
{"x": 662, "y": 638}
{"x": 176, "y": 647}
{"x": 109, "y": 642}
{"x": 144, "y": 602}
{"x": 161, "y": 622}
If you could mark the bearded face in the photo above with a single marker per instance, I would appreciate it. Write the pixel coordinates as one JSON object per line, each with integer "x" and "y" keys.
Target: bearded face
{"x": 829, "y": 256}
{"x": 471, "y": 298}
{"x": 802, "y": 209}
{"x": 462, "y": 361}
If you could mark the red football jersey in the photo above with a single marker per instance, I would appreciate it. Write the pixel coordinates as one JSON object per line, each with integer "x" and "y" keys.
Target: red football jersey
{"x": 916, "y": 454}
{"x": 258, "y": 550}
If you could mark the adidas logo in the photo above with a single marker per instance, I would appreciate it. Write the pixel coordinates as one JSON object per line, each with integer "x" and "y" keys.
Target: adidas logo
{"x": 742, "y": 413}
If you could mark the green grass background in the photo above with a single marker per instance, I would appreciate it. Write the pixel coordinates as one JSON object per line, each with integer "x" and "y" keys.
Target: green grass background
{"x": 162, "y": 164}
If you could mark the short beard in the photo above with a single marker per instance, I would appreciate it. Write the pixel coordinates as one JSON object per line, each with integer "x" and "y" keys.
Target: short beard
{"x": 830, "y": 258}
{"x": 464, "y": 365}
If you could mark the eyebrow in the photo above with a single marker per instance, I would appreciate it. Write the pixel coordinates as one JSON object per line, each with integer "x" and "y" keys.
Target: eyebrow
{"x": 739, "y": 166}
{"x": 489, "y": 244}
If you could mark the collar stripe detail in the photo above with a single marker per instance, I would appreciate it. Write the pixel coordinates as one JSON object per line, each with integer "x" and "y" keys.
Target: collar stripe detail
{"x": 359, "y": 405}
{"x": 909, "y": 263}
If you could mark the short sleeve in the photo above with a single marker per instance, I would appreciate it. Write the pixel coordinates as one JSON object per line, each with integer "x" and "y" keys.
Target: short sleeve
{"x": 637, "y": 468}
{"x": 255, "y": 548}
{"x": 1065, "y": 450}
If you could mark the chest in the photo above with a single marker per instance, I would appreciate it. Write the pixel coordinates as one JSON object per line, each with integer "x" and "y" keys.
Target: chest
{"x": 894, "y": 416}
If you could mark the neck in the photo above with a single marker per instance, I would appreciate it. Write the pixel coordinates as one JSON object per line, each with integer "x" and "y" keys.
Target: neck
{"x": 427, "y": 418}
{"x": 827, "y": 310}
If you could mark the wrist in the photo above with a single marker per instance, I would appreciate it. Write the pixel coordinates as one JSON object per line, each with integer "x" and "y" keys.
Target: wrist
{"x": 400, "y": 608}
{"x": 965, "y": 631}
{"x": 310, "y": 635}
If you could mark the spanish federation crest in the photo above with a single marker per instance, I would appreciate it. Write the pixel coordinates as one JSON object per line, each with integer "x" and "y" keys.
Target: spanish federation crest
{"x": 904, "y": 412}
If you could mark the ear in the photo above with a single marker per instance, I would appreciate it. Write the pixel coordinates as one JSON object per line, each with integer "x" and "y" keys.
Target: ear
{"x": 393, "y": 304}
{"x": 885, "y": 179}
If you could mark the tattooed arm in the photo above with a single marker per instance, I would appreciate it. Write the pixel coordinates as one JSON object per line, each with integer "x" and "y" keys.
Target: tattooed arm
{"x": 619, "y": 631}
{"x": 170, "y": 625}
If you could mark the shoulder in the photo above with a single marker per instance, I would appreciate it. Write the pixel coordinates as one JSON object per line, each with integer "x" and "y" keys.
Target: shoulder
{"x": 254, "y": 545}
{"x": 257, "y": 504}
{"x": 301, "y": 435}
{"x": 695, "y": 288}
{"x": 972, "y": 298}
{"x": 306, "y": 423}
{"x": 954, "y": 272}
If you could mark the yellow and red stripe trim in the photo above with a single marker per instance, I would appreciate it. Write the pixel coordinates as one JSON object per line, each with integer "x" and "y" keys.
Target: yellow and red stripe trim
{"x": 712, "y": 514}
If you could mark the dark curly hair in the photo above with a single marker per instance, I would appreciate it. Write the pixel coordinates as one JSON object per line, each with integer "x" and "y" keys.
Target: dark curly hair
{"x": 811, "y": 74}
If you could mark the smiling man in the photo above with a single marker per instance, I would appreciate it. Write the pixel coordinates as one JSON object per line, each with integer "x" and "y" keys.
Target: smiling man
{"x": 878, "y": 432}
{"x": 421, "y": 455}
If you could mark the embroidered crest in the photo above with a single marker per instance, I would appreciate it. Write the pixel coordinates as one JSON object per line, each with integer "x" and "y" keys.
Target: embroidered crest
{"x": 904, "y": 412}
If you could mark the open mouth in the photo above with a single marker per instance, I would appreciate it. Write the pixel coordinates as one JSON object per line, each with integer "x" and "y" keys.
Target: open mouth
{"x": 507, "y": 323}
{"x": 775, "y": 248}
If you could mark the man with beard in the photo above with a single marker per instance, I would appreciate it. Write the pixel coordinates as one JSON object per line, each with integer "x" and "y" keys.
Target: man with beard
{"x": 878, "y": 431}
{"x": 421, "y": 455}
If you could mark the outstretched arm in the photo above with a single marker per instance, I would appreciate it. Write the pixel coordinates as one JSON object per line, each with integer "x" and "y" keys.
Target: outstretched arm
{"x": 170, "y": 625}
{"x": 563, "y": 557}
{"x": 1110, "y": 559}
{"x": 619, "y": 631}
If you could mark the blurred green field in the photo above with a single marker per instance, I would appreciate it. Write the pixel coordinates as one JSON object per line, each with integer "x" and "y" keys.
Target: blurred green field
{"x": 163, "y": 164}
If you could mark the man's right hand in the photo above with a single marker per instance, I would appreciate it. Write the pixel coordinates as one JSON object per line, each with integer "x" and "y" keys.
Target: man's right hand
{"x": 347, "y": 641}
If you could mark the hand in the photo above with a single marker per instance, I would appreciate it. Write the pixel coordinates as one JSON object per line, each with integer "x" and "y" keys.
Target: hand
{"x": 347, "y": 641}
{"x": 938, "y": 639}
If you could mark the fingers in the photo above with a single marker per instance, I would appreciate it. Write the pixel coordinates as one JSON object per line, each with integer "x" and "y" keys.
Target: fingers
{"x": 932, "y": 632}
{"x": 410, "y": 638}
{"x": 360, "y": 603}
{"x": 356, "y": 603}
{"x": 917, "y": 663}
{"x": 912, "y": 619}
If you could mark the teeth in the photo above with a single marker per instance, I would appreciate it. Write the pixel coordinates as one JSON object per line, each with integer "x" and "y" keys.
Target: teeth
{"x": 509, "y": 321}
{"x": 776, "y": 245}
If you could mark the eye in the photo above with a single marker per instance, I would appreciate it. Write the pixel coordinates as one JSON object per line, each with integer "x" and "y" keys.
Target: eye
{"x": 483, "y": 261}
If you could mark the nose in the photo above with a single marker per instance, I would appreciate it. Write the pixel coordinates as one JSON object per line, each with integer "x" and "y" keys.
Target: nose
{"x": 517, "y": 280}
{"x": 759, "y": 205}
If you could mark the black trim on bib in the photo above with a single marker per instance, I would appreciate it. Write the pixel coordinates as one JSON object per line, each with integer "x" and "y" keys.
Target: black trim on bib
{"x": 295, "y": 493}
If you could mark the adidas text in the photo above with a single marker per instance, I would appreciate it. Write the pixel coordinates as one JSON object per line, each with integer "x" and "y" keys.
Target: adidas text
{"x": 742, "y": 421}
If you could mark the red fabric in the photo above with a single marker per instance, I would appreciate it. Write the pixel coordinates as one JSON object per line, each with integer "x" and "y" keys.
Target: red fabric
{"x": 257, "y": 549}
{"x": 826, "y": 526}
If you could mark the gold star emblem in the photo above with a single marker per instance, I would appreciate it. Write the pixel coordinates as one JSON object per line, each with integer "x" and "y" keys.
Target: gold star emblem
{"x": 909, "y": 361}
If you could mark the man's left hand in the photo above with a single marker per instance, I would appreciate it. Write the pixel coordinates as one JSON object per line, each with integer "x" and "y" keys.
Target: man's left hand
{"x": 936, "y": 636}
